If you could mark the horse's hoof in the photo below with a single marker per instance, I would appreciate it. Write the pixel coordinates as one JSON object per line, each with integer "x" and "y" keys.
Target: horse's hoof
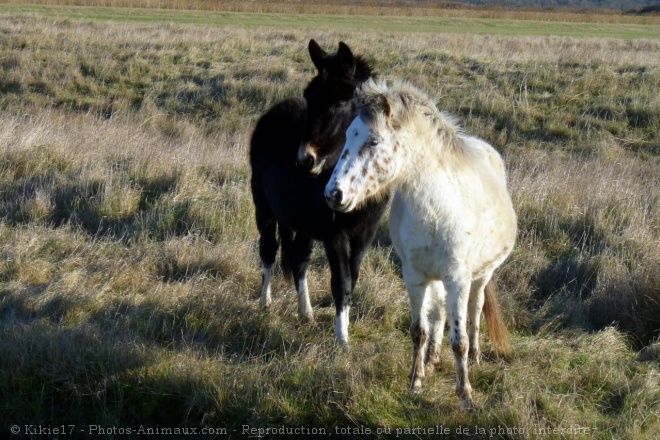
{"x": 416, "y": 387}
{"x": 343, "y": 344}
{"x": 432, "y": 363}
{"x": 474, "y": 357}
{"x": 265, "y": 302}
{"x": 307, "y": 318}
{"x": 467, "y": 405}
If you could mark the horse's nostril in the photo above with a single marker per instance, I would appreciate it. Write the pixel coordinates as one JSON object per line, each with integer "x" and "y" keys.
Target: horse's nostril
{"x": 336, "y": 197}
{"x": 306, "y": 162}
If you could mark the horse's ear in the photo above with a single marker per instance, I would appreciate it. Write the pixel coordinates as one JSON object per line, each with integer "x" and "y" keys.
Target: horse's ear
{"x": 385, "y": 105}
{"x": 405, "y": 100}
{"x": 347, "y": 59}
{"x": 316, "y": 54}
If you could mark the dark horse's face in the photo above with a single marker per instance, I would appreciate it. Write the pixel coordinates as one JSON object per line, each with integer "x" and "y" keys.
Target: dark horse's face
{"x": 330, "y": 107}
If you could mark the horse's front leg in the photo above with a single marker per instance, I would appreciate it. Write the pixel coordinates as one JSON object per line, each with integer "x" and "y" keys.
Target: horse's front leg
{"x": 458, "y": 292}
{"x": 359, "y": 244}
{"x": 296, "y": 253}
{"x": 337, "y": 249}
{"x": 438, "y": 317}
{"x": 417, "y": 285}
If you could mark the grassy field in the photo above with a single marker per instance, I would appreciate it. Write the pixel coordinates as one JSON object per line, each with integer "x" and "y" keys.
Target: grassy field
{"x": 385, "y": 8}
{"x": 633, "y": 27}
{"x": 129, "y": 274}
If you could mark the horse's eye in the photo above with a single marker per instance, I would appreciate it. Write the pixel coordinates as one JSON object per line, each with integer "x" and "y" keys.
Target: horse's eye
{"x": 371, "y": 143}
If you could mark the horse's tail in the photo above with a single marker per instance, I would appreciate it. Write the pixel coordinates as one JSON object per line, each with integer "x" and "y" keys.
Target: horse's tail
{"x": 285, "y": 260}
{"x": 497, "y": 331}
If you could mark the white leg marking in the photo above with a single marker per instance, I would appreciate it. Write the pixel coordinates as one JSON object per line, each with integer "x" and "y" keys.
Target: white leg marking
{"x": 341, "y": 326}
{"x": 266, "y": 272}
{"x": 304, "y": 305}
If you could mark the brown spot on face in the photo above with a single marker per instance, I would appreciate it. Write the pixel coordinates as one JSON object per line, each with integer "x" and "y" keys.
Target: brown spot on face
{"x": 366, "y": 151}
{"x": 372, "y": 178}
{"x": 352, "y": 180}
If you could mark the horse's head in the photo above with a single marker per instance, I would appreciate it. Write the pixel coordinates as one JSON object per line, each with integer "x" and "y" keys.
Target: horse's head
{"x": 330, "y": 107}
{"x": 372, "y": 156}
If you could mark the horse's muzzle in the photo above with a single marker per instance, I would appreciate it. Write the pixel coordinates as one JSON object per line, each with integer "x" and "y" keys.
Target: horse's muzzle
{"x": 335, "y": 199}
{"x": 308, "y": 162}
{"x": 305, "y": 161}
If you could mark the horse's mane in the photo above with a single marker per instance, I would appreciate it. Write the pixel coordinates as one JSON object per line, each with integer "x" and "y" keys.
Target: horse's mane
{"x": 363, "y": 69}
{"x": 406, "y": 105}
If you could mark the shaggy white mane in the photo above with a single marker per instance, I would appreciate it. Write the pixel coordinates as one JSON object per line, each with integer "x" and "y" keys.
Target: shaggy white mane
{"x": 406, "y": 106}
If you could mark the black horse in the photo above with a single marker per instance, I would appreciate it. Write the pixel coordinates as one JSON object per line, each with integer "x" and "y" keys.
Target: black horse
{"x": 293, "y": 150}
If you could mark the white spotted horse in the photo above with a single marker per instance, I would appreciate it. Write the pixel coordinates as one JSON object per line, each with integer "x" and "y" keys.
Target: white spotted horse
{"x": 452, "y": 221}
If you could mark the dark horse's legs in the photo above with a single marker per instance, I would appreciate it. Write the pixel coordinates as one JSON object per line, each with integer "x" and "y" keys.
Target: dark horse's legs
{"x": 296, "y": 252}
{"x": 267, "y": 226}
{"x": 359, "y": 246}
{"x": 345, "y": 256}
{"x": 337, "y": 249}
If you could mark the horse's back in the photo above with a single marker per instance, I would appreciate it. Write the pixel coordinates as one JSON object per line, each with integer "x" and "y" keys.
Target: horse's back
{"x": 277, "y": 132}
{"x": 488, "y": 154}
{"x": 497, "y": 225}
{"x": 471, "y": 219}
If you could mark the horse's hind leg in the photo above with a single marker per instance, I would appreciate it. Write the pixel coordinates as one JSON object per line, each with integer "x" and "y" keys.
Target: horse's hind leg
{"x": 475, "y": 305}
{"x": 417, "y": 287}
{"x": 267, "y": 226}
{"x": 458, "y": 293}
{"x": 296, "y": 252}
{"x": 438, "y": 317}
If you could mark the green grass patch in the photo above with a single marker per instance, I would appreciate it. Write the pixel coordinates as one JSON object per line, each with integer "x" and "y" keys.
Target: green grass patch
{"x": 479, "y": 26}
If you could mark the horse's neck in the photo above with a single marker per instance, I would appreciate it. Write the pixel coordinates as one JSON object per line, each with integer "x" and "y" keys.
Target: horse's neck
{"x": 420, "y": 188}
{"x": 429, "y": 178}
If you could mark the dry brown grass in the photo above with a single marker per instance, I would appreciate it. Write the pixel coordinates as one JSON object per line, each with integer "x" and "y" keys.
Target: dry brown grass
{"x": 129, "y": 271}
